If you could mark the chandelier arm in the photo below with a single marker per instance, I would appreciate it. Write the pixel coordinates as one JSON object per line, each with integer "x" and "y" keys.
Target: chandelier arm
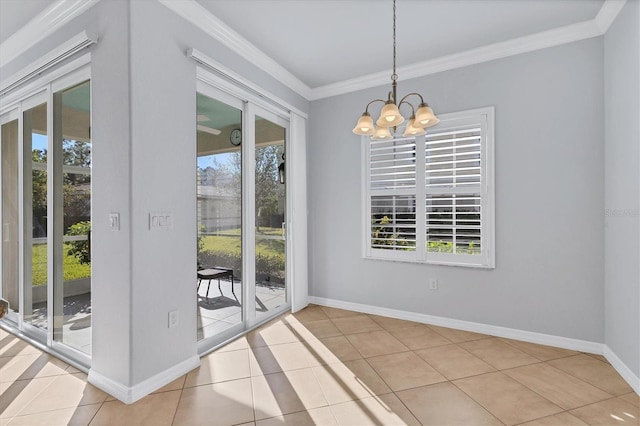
{"x": 413, "y": 93}
{"x": 413, "y": 111}
{"x": 366, "y": 110}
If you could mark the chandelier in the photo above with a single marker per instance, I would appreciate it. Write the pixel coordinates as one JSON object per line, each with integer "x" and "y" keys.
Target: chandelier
{"x": 390, "y": 116}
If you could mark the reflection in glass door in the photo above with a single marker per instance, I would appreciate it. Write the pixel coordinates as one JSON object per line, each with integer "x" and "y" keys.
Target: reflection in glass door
{"x": 72, "y": 230}
{"x": 35, "y": 214}
{"x": 10, "y": 231}
{"x": 270, "y": 229}
{"x": 219, "y": 216}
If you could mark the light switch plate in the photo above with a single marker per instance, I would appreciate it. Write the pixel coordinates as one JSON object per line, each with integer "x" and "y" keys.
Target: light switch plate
{"x": 114, "y": 221}
{"x": 160, "y": 221}
{"x": 173, "y": 318}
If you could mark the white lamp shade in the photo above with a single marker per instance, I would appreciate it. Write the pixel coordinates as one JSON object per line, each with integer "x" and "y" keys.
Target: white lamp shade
{"x": 412, "y": 130}
{"x": 364, "y": 126}
{"x": 425, "y": 116}
{"x": 389, "y": 116}
{"x": 432, "y": 122}
{"x": 382, "y": 133}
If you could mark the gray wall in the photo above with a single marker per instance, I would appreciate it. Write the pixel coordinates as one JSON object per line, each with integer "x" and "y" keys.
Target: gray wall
{"x": 143, "y": 89}
{"x": 111, "y": 192}
{"x": 111, "y": 254}
{"x": 163, "y": 178}
{"x": 549, "y": 196}
{"x": 622, "y": 186}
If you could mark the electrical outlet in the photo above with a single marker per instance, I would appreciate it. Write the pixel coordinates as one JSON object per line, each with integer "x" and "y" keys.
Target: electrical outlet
{"x": 173, "y": 318}
{"x": 433, "y": 284}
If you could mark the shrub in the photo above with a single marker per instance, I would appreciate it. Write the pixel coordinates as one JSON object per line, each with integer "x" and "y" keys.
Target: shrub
{"x": 447, "y": 247}
{"x": 383, "y": 235}
{"x": 272, "y": 266}
{"x": 80, "y": 249}
{"x": 440, "y": 247}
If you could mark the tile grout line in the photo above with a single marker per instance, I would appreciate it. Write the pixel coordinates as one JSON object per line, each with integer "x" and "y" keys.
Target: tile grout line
{"x": 566, "y": 410}
{"x": 583, "y": 380}
{"x": 372, "y": 395}
{"x": 447, "y": 380}
{"x": 97, "y": 411}
{"x": 565, "y": 372}
{"x": 479, "y": 403}
{"x": 175, "y": 412}
{"x": 253, "y": 401}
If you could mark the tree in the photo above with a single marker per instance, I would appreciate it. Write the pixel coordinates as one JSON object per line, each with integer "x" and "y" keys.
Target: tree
{"x": 268, "y": 187}
{"x": 76, "y": 187}
{"x": 39, "y": 184}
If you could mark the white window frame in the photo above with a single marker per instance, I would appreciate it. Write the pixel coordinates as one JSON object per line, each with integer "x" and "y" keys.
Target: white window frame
{"x": 485, "y": 118}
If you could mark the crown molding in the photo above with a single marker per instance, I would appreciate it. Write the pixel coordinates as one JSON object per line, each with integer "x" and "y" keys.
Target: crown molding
{"x": 41, "y": 26}
{"x": 608, "y": 13}
{"x": 542, "y": 40}
{"x": 583, "y": 30}
{"x": 63, "y": 11}
{"x": 196, "y": 14}
{"x": 206, "y": 21}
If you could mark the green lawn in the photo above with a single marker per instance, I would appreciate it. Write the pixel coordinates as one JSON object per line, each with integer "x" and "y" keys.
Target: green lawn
{"x": 73, "y": 269}
{"x": 225, "y": 249}
{"x": 269, "y": 252}
{"x": 231, "y": 242}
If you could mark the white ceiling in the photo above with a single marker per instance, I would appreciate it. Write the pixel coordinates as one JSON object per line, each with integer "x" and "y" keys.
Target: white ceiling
{"x": 329, "y": 41}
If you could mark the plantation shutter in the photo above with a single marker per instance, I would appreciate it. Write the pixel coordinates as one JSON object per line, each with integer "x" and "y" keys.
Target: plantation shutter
{"x": 453, "y": 172}
{"x": 392, "y": 180}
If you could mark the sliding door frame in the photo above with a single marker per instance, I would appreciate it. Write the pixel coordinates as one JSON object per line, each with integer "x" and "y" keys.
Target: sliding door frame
{"x": 7, "y": 116}
{"x": 26, "y": 216}
{"x": 210, "y": 84}
{"x": 13, "y": 106}
{"x": 269, "y": 115}
{"x": 213, "y": 92}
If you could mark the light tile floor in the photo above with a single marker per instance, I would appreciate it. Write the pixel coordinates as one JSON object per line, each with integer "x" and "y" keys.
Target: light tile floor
{"x": 220, "y": 309}
{"x": 334, "y": 367}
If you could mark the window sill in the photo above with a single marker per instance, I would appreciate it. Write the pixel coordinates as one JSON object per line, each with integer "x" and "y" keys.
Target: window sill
{"x": 430, "y": 262}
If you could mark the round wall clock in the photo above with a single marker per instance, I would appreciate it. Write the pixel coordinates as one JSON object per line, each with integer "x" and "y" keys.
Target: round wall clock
{"x": 236, "y": 137}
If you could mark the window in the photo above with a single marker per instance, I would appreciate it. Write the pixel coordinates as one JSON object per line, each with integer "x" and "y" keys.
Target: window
{"x": 430, "y": 198}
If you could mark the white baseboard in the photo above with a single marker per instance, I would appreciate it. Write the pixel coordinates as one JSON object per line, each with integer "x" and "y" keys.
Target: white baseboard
{"x": 130, "y": 394}
{"x": 622, "y": 369}
{"x": 510, "y": 333}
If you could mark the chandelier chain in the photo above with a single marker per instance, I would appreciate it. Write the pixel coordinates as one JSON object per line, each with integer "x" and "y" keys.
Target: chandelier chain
{"x": 394, "y": 76}
{"x": 386, "y": 126}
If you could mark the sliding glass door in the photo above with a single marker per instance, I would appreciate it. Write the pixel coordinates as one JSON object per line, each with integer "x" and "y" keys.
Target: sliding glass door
{"x": 270, "y": 219}
{"x": 36, "y": 206}
{"x": 46, "y": 214}
{"x": 9, "y": 144}
{"x": 219, "y": 214}
{"x": 241, "y": 215}
{"x": 72, "y": 229}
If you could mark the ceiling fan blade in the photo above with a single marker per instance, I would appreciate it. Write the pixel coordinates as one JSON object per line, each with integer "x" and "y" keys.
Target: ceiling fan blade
{"x": 210, "y": 130}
